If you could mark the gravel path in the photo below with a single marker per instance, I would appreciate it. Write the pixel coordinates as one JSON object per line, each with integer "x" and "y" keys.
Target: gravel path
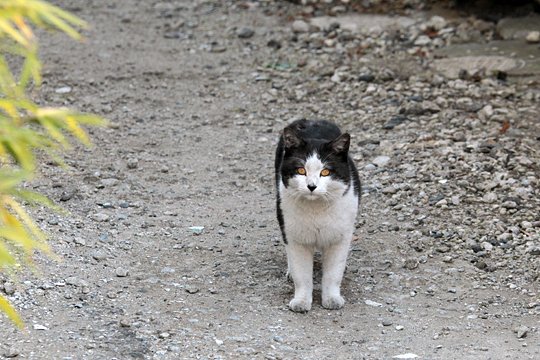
{"x": 172, "y": 250}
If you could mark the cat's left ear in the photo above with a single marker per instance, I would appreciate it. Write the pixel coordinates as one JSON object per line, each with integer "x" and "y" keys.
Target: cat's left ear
{"x": 340, "y": 145}
{"x": 291, "y": 139}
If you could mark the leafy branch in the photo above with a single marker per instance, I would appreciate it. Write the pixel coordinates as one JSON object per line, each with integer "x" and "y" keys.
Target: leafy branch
{"x": 27, "y": 129}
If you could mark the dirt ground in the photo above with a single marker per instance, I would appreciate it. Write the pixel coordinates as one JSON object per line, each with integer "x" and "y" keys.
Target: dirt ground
{"x": 196, "y": 103}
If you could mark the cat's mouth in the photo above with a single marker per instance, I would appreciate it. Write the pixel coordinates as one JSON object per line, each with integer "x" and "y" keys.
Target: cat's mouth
{"x": 313, "y": 196}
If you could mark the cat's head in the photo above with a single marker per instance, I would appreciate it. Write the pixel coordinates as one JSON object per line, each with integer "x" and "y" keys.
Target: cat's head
{"x": 315, "y": 169}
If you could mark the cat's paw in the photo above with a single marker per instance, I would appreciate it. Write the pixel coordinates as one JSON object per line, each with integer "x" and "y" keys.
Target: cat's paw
{"x": 300, "y": 305}
{"x": 333, "y": 302}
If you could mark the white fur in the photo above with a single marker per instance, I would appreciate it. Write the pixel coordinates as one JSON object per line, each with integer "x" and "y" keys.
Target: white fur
{"x": 319, "y": 220}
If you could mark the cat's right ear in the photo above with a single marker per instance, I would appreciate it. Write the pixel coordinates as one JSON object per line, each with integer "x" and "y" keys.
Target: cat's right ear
{"x": 290, "y": 139}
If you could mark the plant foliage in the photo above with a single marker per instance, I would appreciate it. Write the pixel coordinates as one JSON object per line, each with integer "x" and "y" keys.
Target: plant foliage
{"x": 26, "y": 128}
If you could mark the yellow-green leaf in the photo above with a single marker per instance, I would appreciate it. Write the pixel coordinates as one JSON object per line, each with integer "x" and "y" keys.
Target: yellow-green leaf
{"x": 11, "y": 313}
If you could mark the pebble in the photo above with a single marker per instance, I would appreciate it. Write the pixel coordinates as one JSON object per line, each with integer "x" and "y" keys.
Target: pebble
{"x": 100, "y": 217}
{"x": 533, "y": 37}
{"x": 487, "y": 246}
{"x": 11, "y": 353}
{"x": 436, "y": 23}
{"x": 245, "y": 32}
{"x": 381, "y": 160}
{"x": 372, "y": 303}
{"x": 405, "y": 356}
{"x": 9, "y": 288}
{"x": 521, "y": 331}
{"x": 121, "y": 272}
{"x": 132, "y": 163}
{"x": 422, "y": 40}
{"x": 394, "y": 121}
{"x": 63, "y": 90}
{"x": 75, "y": 281}
{"x": 390, "y": 190}
{"x": 300, "y": 26}
{"x": 99, "y": 255}
{"x": 192, "y": 290}
{"x": 387, "y": 322}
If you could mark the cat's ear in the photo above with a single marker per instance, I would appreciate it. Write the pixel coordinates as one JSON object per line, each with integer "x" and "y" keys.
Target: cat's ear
{"x": 290, "y": 139}
{"x": 340, "y": 145}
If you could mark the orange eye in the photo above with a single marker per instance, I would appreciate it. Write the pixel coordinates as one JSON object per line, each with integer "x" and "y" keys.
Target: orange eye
{"x": 301, "y": 171}
{"x": 325, "y": 172}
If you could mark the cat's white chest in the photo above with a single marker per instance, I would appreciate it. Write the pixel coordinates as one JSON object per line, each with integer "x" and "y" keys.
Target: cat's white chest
{"x": 318, "y": 223}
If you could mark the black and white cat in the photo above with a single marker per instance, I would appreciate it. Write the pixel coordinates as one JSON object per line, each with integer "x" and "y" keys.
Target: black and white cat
{"x": 318, "y": 192}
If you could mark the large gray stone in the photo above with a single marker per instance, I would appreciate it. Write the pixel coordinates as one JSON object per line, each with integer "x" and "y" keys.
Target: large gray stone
{"x": 515, "y": 57}
{"x": 518, "y": 28}
{"x": 359, "y": 23}
{"x": 451, "y": 67}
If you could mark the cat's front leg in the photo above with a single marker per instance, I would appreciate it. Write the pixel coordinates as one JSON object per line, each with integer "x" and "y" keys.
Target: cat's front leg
{"x": 333, "y": 261}
{"x": 300, "y": 263}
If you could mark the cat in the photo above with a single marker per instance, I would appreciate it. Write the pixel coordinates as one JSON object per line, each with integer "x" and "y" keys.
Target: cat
{"x": 318, "y": 193}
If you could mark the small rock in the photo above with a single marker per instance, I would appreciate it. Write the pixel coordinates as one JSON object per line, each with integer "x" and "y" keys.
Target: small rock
{"x": 405, "y": 356}
{"x": 509, "y": 204}
{"x": 79, "y": 241}
{"x": 370, "y": 167}
{"x": 399, "y": 327}
{"x": 372, "y": 303}
{"x": 422, "y": 40}
{"x": 487, "y": 246}
{"x": 489, "y": 198}
{"x": 390, "y": 190}
{"x": 75, "y": 281}
{"x": 274, "y": 44}
{"x": 110, "y": 182}
{"x": 11, "y": 353}
{"x": 132, "y": 163}
{"x": 300, "y": 26}
{"x": 521, "y": 331}
{"x": 121, "y": 272}
{"x": 63, "y": 90}
{"x": 381, "y": 160}
{"x": 436, "y": 23}
{"x": 505, "y": 237}
{"x": 394, "y": 121}
{"x": 9, "y": 288}
{"x": 40, "y": 327}
{"x": 278, "y": 339}
{"x": 387, "y": 322}
{"x": 196, "y": 230}
{"x": 67, "y": 195}
{"x": 99, "y": 255}
{"x": 411, "y": 264}
{"x": 366, "y": 77}
{"x": 245, "y": 32}
{"x": 100, "y": 217}
{"x": 533, "y": 37}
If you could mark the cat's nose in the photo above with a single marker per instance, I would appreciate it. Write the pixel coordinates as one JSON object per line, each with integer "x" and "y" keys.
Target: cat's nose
{"x": 312, "y": 187}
